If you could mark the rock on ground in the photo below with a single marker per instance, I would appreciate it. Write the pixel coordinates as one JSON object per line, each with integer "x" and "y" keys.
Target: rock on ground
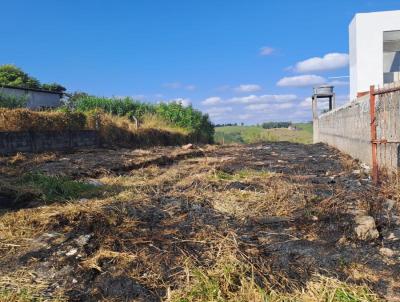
{"x": 366, "y": 228}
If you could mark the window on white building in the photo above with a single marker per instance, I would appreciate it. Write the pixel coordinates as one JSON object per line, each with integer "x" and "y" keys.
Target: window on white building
{"x": 391, "y": 56}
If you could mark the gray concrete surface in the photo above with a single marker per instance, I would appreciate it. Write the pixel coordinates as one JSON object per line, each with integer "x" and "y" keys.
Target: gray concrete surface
{"x": 348, "y": 129}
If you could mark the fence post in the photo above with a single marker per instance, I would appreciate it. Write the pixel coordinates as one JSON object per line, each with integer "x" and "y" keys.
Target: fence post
{"x": 374, "y": 146}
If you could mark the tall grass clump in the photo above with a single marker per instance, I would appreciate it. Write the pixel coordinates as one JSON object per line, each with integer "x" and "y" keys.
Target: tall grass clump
{"x": 198, "y": 125}
{"x": 122, "y": 107}
{"x": 195, "y": 121}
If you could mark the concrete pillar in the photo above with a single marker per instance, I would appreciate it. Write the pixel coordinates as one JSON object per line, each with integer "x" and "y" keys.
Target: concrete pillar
{"x": 315, "y": 119}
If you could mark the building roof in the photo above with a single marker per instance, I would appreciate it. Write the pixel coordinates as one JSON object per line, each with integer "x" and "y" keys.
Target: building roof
{"x": 31, "y": 89}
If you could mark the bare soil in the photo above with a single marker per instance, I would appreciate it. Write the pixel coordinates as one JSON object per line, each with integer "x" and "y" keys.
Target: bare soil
{"x": 286, "y": 210}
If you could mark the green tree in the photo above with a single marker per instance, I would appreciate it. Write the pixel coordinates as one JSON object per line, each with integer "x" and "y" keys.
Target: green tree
{"x": 54, "y": 87}
{"x": 13, "y": 76}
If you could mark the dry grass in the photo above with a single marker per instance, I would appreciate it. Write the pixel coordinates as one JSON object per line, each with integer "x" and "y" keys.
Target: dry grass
{"x": 181, "y": 232}
{"x": 28, "y": 120}
{"x": 153, "y": 121}
{"x": 252, "y": 193}
{"x": 24, "y": 286}
{"x": 322, "y": 288}
{"x": 116, "y": 130}
{"x": 231, "y": 280}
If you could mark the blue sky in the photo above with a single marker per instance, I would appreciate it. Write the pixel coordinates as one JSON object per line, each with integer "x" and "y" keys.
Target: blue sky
{"x": 241, "y": 61}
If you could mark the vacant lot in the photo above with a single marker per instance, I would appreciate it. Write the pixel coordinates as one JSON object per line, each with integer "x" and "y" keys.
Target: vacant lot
{"x": 263, "y": 222}
{"x": 256, "y": 134}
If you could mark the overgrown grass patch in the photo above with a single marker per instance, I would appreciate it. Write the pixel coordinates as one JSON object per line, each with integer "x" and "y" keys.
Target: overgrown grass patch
{"x": 241, "y": 174}
{"x": 236, "y": 281}
{"x": 228, "y": 280}
{"x": 21, "y": 295}
{"x": 58, "y": 188}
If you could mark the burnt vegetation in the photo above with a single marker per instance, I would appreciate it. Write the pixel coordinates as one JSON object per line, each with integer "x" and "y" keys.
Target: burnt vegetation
{"x": 265, "y": 222}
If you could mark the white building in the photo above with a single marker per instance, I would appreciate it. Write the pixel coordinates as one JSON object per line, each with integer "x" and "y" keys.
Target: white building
{"x": 36, "y": 98}
{"x": 374, "y": 50}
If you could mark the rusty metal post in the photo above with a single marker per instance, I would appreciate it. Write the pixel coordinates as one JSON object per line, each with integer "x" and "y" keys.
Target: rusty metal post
{"x": 373, "y": 134}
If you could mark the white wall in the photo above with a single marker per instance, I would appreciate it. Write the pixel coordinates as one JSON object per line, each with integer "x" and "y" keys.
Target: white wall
{"x": 36, "y": 99}
{"x": 366, "y": 48}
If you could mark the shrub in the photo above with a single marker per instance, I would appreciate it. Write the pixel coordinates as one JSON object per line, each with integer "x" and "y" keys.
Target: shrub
{"x": 55, "y": 87}
{"x": 11, "y": 75}
{"x": 14, "y": 76}
{"x": 270, "y": 125}
{"x": 11, "y": 101}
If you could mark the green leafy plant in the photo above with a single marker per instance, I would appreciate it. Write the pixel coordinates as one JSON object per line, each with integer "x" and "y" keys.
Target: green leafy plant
{"x": 54, "y": 87}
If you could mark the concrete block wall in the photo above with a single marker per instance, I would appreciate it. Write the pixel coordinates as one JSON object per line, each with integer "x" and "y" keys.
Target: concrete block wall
{"x": 388, "y": 128}
{"x": 13, "y": 142}
{"x": 347, "y": 128}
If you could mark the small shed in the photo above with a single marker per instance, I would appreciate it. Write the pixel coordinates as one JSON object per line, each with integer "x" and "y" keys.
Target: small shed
{"x": 36, "y": 98}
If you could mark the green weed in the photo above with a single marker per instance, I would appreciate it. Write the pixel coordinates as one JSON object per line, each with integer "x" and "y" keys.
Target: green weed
{"x": 57, "y": 187}
{"x": 22, "y": 295}
{"x": 241, "y": 174}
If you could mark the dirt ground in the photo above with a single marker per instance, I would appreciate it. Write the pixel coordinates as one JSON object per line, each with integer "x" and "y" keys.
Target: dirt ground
{"x": 265, "y": 222}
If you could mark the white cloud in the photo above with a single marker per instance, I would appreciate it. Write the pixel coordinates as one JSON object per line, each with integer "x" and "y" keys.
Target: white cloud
{"x": 339, "y": 83}
{"x": 173, "y": 85}
{"x": 248, "y": 88}
{"x": 223, "y": 88}
{"x": 190, "y": 87}
{"x": 218, "y": 111}
{"x": 266, "y": 98}
{"x": 256, "y": 107}
{"x": 269, "y": 107}
{"x": 284, "y": 106}
{"x": 183, "y": 101}
{"x": 330, "y": 61}
{"x": 245, "y": 116}
{"x": 212, "y": 101}
{"x": 301, "y": 81}
{"x": 340, "y": 100}
{"x": 266, "y": 51}
{"x": 178, "y": 85}
{"x": 251, "y": 99}
{"x": 139, "y": 97}
{"x": 306, "y": 103}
